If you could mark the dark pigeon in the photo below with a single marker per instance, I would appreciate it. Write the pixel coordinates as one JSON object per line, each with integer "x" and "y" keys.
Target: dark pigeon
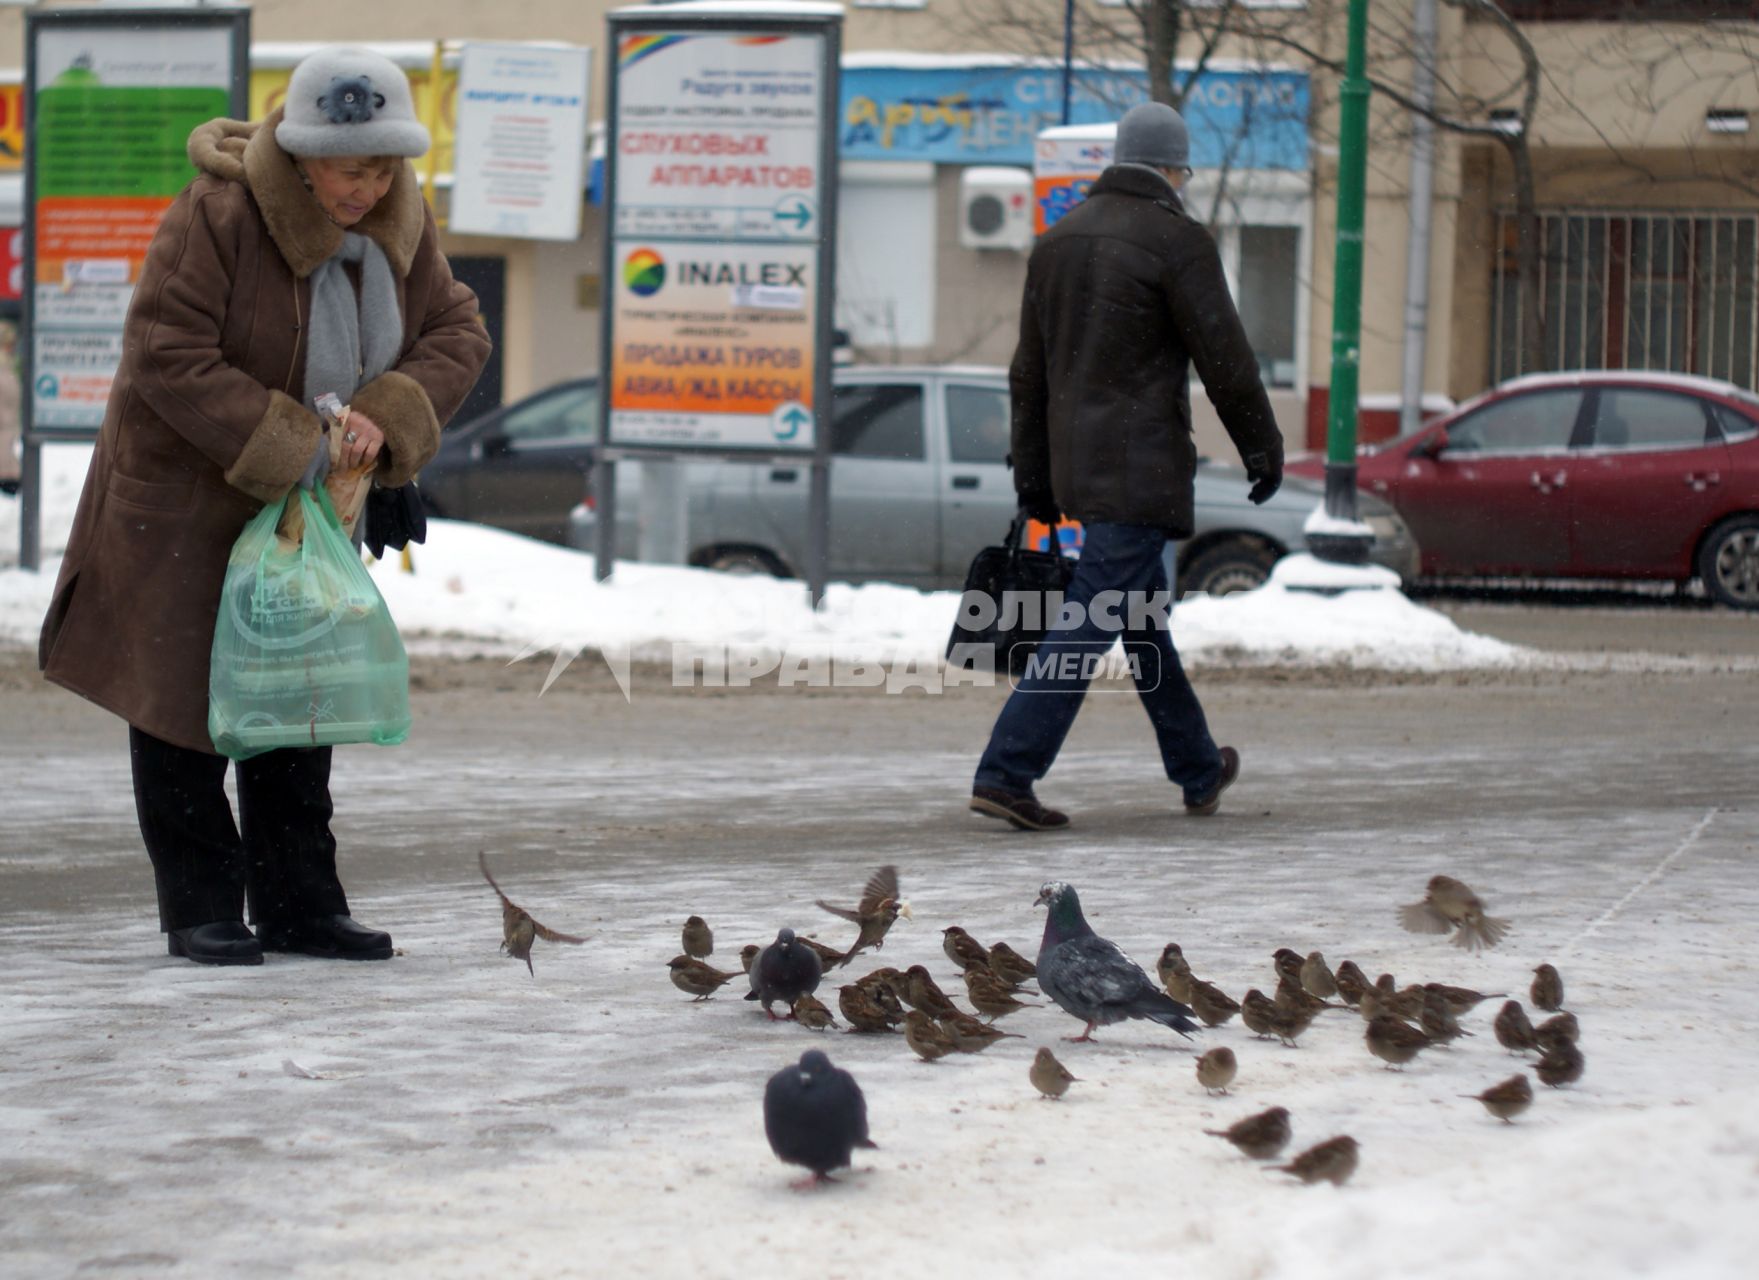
{"x": 1090, "y": 976}
{"x": 785, "y": 970}
{"x": 814, "y": 1115}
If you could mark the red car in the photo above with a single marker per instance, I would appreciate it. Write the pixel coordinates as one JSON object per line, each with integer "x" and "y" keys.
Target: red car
{"x": 1583, "y": 475}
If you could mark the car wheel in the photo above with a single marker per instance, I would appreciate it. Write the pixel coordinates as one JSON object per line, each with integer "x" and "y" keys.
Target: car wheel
{"x": 743, "y": 562}
{"x": 1728, "y": 562}
{"x": 1227, "y": 567}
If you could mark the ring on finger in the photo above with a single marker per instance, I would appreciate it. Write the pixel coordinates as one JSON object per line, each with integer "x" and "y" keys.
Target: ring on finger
{"x": 348, "y": 437}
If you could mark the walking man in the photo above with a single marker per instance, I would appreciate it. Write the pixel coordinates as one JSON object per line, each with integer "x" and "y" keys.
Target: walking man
{"x": 1123, "y": 295}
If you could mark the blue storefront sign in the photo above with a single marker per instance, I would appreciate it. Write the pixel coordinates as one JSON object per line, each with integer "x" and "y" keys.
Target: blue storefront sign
{"x": 991, "y": 114}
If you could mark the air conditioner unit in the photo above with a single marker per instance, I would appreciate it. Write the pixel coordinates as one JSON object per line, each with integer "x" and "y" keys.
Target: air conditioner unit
{"x": 995, "y": 208}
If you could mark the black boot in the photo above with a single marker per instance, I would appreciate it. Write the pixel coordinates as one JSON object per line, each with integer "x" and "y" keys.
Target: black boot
{"x": 220, "y": 942}
{"x": 335, "y": 937}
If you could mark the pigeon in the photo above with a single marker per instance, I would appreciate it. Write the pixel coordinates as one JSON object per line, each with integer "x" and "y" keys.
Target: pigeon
{"x": 1393, "y": 1042}
{"x": 1333, "y": 1161}
{"x": 861, "y": 1010}
{"x": 1560, "y": 1063}
{"x": 693, "y": 977}
{"x": 810, "y": 1012}
{"x": 1352, "y": 982}
{"x": 1513, "y": 1031}
{"x": 879, "y": 908}
{"x": 1050, "y": 1077}
{"x": 926, "y": 1036}
{"x": 1216, "y": 1069}
{"x": 1548, "y": 989}
{"x": 814, "y": 1115}
{"x": 699, "y": 939}
{"x": 1316, "y": 976}
{"x": 1507, "y": 1100}
{"x": 1260, "y": 1136}
{"x": 785, "y": 971}
{"x": 1090, "y": 977}
{"x": 518, "y": 929}
{"x": 962, "y": 949}
{"x": 1010, "y": 966}
{"x": 1449, "y": 906}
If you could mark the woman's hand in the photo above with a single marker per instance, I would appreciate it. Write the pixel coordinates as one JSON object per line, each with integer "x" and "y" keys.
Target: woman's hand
{"x": 361, "y": 442}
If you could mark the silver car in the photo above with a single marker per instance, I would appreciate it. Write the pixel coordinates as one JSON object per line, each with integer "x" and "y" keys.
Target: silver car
{"x": 919, "y": 484}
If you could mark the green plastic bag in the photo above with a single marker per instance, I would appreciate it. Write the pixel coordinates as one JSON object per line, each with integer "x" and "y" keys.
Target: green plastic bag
{"x": 305, "y": 651}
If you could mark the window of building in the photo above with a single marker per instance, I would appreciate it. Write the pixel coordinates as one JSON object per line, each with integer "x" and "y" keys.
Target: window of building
{"x": 1667, "y": 291}
{"x": 886, "y": 254}
{"x": 1629, "y": 10}
{"x": 1269, "y": 275}
{"x": 878, "y": 420}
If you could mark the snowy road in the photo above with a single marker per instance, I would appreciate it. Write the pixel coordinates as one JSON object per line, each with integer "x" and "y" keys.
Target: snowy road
{"x": 591, "y": 1122}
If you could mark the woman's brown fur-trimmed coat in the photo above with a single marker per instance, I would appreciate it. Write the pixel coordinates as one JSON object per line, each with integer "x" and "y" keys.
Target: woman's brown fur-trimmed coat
{"x": 206, "y": 420}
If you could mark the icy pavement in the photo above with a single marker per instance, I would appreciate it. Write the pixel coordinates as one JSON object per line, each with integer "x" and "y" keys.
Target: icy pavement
{"x": 468, "y": 1119}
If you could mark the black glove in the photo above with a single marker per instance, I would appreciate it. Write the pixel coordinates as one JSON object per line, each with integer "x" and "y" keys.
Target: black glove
{"x": 1041, "y": 507}
{"x": 1266, "y": 473}
{"x": 394, "y": 518}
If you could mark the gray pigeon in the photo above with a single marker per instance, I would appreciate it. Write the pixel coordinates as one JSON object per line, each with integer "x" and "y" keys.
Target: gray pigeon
{"x": 785, "y": 970}
{"x": 814, "y": 1115}
{"x": 1090, "y": 977}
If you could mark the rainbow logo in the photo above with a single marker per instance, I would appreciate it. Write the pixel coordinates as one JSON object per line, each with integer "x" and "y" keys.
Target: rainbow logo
{"x": 644, "y": 271}
{"x": 634, "y": 48}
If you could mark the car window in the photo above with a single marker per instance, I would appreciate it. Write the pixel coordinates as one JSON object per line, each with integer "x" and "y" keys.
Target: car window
{"x": 977, "y": 424}
{"x": 1529, "y": 423}
{"x": 878, "y": 420}
{"x": 569, "y": 414}
{"x": 1632, "y": 418}
{"x": 1734, "y": 424}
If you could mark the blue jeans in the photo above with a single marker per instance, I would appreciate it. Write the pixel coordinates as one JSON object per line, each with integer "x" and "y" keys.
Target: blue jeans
{"x": 1030, "y": 731}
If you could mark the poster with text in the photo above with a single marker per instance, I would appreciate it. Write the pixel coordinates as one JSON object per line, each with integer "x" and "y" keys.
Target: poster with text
{"x": 718, "y": 135}
{"x": 113, "y": 111}
{"x": 713, "y": 344}
{"x": 521, "y": 144}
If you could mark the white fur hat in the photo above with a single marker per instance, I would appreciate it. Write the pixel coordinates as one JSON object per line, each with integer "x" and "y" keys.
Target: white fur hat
{"x": 349, "y": 101}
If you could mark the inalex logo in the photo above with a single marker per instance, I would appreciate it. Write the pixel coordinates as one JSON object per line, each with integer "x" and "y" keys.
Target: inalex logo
{"x": 644, "y": 271}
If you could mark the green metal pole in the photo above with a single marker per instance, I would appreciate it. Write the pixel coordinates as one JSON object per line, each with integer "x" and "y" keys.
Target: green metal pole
{"x": 1346, "y": 325}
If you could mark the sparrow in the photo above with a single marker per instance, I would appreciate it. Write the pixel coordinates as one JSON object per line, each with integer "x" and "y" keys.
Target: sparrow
{"x": 1288, "y": 1024}
{"x": 1260, "y": 1136}
{"x": 1256, "y": 1011}
{"x": 1050, "y": 1077}
{"x": 1507, "y": 1100}
{"x": 827, "y": 956}
{"x": 962, "y": 949}
{"x": 1288, "y": 964}
{"x": 1547, "y": 991}
{"x": 1393, "y": 1042}
{"x": 1513, "y": 1031}
{"x": 693, "y": 977}
{"x": 971, "y": 1036}
{"x": 991, "y": 996}
{"x": 1449, "y": 905}
{"x": 922, "y": 993}
{"x": 1560, "y": 1026}
{"x": 518, "y": 929}
{"x": 878, "y": 910}
{"x": 1172, "y": 970}
{"x": 1333, "y": 1161}
{"x": 1211, "y": 1004}
{"x": 1290, "y": 994}
{"x": 748, "y": 954}
{"x": 1352, "y": 982}
{"x": 699, "y": 939}
{"x": 861, "y": 1010}
{"x": 924, "y": 1035}
{"x": 1216, "y": 1069}
{"x": 1560, "y": 1064}
{"x": 812, "y": 1013}
{"x": 1317, "y": 978}
{"x": 1406, "y": 1003}
{"x": 1438, "y": 1021}
{"x": 1010, "y": 966}
{"x": 881, "y": 986}
{"x": 1462, "y": 1000}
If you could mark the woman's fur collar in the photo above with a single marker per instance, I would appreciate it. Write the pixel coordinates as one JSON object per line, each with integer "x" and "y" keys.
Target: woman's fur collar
{"x": 246, "y": 151}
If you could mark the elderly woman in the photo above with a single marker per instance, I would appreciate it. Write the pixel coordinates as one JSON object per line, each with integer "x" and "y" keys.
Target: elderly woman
{"x": 301, "y": 260}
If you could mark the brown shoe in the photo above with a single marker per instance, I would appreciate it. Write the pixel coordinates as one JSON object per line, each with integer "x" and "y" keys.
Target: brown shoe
{"x": 1213, "y": 801}
{"x": 1023, "y": 811}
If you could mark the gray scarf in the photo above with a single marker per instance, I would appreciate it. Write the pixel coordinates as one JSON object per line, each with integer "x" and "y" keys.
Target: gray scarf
{"x": 350, "y": 340}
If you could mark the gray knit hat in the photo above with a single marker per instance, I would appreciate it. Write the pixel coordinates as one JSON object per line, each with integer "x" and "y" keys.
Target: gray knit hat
{"x": 1152, "y": 133}
{"x": 349, "y": 101}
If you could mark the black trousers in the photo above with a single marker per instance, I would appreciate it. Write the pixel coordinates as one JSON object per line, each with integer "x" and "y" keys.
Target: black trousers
{"x": 285, "y": 861}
